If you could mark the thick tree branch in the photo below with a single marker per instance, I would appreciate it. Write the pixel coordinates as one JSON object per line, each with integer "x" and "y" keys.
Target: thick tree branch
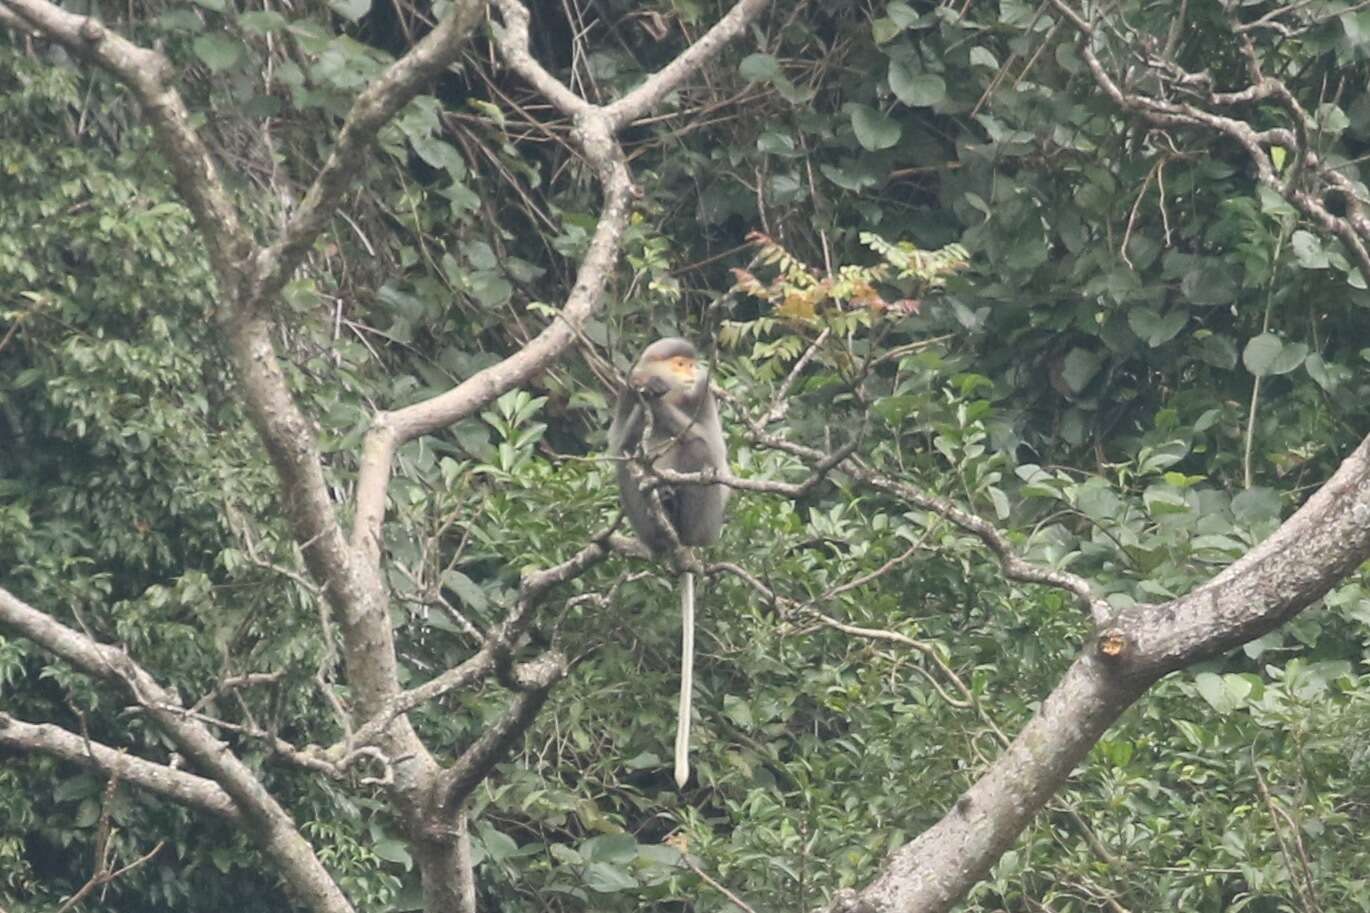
{"x": 185, "y": 788}
{"x": 1327, "y": 538}
{"x": 935, "y": 870}
{"x": 535, "y": 680}
{"x": 391, "y": 429}
{"x": 514, "y": 47}
{"x": 498, "y": 643}
{"x": 649, "y": 94}
{"x": 269, "y": 824}
{"x": 144, "y": 71}
{"x": 372, "y": 109}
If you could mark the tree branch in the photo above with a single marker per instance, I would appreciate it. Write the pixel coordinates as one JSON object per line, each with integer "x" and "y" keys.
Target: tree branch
{"x": 534, "y": 680}
{"x": 1327, "y": 538}
{"x": 144, "y": 72}
{"x": 372, "y": 109}
{"x": 1013, "y": 566}
{"x": 501, "y": 639}
{"x": 269, "y": 824}
{"x": 650, "y": 93}
{"x": 185, "y": 788}
{"x": 389, "y": 430}
{"x": 513, "y": 44}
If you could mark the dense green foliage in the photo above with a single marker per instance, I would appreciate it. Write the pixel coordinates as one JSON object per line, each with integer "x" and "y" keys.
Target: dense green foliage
{"x": 1086, "y": 382}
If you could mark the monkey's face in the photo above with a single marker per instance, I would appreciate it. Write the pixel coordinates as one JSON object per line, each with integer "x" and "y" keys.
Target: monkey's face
{"x": 672, "y": 376}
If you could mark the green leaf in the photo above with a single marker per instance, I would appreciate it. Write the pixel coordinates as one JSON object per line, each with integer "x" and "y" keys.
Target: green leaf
{"x": 1272, "y": 641}
{"x": 775, "y": 143}
{"x": 1154, "y": 328}
{"x": 439, "y": 154}
{"x": 611, "y": 848}
{"x": 1291, "y": 357}
{"x": 645, "y": 760}
{"x": 218, "y": 50}
{"x": 852, "y": 176}
{"x": 1002, "y": 508}
{"x": 1266, "y": 354}
{"x": 262, "y": 22}
{"x": 884, "y": 29}
{"x": 902, "y": 14}
{"x": 180, "y": 20}
{"x": 467, "y": 590}
{"x": 81, "y": 786}
{"x": 1079, "y": 368}
{"x": 392, "y": 850}
{"x": 87, "y": 813}
{"x": 1308, "y": 250}
{"x": 917, "y": 90}
{"x": 608, "y": 879}
{"x": 759, "y": 68}
{"x": 563, "y": 853}
{"x": 1224, "y": 693}
{"x": 1226, "y": 545}
{"x": 1217, "y": 350}
{"x": 874, "y": 131}
{"x": 983, "y": 57}
{"x": 739, "y": 711}
{"x": 498, "y": 846}
{"x": 1209, "y": 286}
{"x": 1162, "y": 499}
{"x": 1260, "y": 353}
{"x": 350, "y": 9}
{"x": 1326, "y": 375}
{"x": 1256, "y": 505}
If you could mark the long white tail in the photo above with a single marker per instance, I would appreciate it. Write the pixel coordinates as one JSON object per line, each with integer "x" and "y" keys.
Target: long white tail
{"x": 687, "y": 675}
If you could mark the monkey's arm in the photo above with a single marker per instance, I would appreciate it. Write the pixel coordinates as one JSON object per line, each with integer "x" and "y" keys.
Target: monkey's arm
{"x": 626, "y": 429}
{"x": 670, "y": 420}
{"x": 625, "y": 435}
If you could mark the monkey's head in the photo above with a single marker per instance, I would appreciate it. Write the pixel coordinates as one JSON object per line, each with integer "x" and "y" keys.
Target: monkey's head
{"x": 668, "y": 367}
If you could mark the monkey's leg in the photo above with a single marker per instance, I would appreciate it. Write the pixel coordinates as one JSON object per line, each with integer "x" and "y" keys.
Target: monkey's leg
{"x": 687, "y": 673}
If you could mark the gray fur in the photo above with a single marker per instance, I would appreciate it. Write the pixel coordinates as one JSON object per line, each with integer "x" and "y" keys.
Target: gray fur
{"x": 685, "y": 424}
{"x": 688, "y": 437}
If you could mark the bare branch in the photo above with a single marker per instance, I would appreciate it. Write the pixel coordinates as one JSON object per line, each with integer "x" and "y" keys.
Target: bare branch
{"x": 532, "y": 589}
{"x": 1352, "y": 229}
{"x": 104, "y": 871}
{"x": 12, "y": 21}
{"x": 650, "y": 93}
{"x": 709, "y": 879}
{"x": 391, "y": 429}
{"x": 534, "y": 680}
{"x": 144, "y": 71}
{"x": 185, "y": 788}
{"x": 512, "y": 41}
{"x": 780, "y": 403}
{"x": 234, "y": 682}
{"x": 371, "y": 110}
{"x": 1014, "y": 566}
{"x": 270, "y": 824}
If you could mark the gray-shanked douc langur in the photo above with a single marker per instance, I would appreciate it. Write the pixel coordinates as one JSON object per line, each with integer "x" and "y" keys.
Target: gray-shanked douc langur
{"x": 668, "y": 398}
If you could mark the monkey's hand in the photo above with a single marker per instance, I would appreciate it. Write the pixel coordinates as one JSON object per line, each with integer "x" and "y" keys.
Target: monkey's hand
{"x": 654, "y": 387}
